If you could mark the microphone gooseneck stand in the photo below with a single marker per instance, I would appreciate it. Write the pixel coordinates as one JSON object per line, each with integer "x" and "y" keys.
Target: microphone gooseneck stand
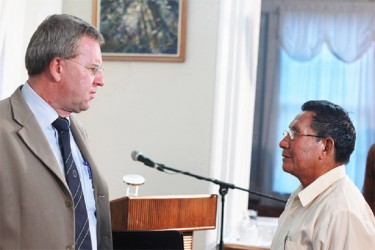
{"x": 223, "y": 190}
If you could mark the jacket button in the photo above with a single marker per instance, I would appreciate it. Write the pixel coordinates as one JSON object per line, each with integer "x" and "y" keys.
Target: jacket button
{"x": 70, "y": 247}
{"x": 68, "y": 204}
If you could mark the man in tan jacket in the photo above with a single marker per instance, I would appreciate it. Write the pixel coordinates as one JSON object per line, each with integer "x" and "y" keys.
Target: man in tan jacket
{"x": 37, "y": 209}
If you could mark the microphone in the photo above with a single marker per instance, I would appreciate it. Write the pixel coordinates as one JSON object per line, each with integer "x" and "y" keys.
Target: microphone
{"x": 138, "y": 156}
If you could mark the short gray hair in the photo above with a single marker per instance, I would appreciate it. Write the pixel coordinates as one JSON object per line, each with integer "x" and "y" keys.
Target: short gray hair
{"x": 57, "y": 35}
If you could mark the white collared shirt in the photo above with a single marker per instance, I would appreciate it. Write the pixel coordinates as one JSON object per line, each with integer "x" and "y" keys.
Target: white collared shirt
{"x": 330, "y": 213}
{"x": 45, "y": 116}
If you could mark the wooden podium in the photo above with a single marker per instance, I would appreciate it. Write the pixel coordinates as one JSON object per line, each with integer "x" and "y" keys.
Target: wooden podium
{"x": 185, "y": 213}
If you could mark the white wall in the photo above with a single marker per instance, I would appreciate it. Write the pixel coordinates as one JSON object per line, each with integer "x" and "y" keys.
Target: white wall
{"x": 161, "y": 109}
{"x": 164, "y": 110}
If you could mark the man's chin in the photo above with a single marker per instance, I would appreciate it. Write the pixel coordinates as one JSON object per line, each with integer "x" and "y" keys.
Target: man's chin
{"x": 85, "y": 106}
{"x": 286, "y": 169}
{"x": 80, "y": 109}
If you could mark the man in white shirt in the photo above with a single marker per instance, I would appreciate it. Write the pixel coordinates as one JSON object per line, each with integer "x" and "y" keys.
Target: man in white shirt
{"x": 327, "y": 211}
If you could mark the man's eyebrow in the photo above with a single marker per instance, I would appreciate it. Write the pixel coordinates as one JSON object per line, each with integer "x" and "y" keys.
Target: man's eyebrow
{"x": 294, "y": 128}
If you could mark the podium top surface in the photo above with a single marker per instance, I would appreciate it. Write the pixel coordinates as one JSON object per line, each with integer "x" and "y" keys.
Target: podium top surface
{"x": 172, "y": 196}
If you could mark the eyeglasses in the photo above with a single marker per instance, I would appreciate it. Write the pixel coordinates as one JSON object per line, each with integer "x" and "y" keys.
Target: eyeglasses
{"x": 94, "y": 69}
{"x": 293, "y": 134}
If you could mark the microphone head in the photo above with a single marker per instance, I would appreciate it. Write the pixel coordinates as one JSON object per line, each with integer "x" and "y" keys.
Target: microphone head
{"x": 138, "y": 156}
{"x": 135, "y": 154}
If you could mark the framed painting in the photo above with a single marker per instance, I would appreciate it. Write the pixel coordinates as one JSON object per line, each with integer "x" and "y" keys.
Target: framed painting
{"x": 142, "y": 30}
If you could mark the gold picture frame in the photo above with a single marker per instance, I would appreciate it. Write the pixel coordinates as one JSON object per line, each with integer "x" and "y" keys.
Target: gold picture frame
{"x": 137, "y": 30}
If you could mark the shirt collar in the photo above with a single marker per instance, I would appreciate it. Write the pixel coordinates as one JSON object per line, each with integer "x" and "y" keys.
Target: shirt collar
{"x": 309, "y": 193}
{"x": 43, "y": 112}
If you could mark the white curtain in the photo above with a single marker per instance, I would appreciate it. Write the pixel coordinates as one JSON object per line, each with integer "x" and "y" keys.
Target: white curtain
{"x": 326, "y": 52}
{"x": 234, "y": 105}
{"x": 16, "y": 28}
{"x": 12, "y": 19}
{"x": 348, "y": 29}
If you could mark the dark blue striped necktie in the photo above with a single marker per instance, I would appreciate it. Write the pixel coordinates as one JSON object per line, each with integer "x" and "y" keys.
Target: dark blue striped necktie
{"x": 82, "y": 230}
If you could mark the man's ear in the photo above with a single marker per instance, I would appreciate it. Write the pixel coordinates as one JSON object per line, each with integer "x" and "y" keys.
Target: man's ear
{"x": 329, "y": 147}
{"x": 55, "y": 68}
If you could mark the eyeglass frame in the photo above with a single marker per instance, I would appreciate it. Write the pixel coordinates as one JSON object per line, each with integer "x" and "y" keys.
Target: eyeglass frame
{"x": 94, "y": 69}
{"x": 292, "y": 134}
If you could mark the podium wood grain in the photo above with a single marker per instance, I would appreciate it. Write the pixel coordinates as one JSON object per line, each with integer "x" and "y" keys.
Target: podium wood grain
{"x": 183, "y": 213}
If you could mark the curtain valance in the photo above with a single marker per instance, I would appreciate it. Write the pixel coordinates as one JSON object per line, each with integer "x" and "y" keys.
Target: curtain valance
{"x": 348, "y": 29}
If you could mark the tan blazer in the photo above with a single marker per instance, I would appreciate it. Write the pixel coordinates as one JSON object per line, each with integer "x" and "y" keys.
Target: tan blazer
{"x": 35, "y": 202}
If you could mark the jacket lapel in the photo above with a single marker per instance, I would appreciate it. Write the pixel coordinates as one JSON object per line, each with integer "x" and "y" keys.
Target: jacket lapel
{"x": 32, "y": 135}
